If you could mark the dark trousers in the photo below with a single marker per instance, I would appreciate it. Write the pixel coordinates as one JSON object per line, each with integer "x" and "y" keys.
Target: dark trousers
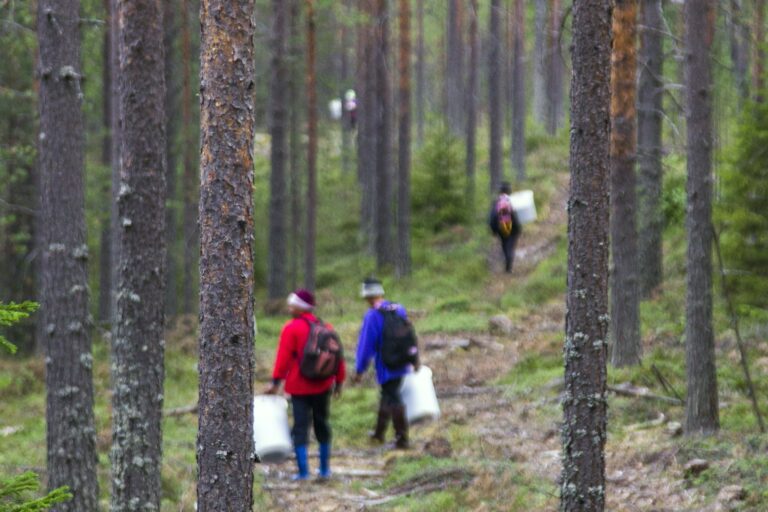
{"x": 390, "y": 392}
{"x": 508, "y": 247}
{"x": 314, "y": 408}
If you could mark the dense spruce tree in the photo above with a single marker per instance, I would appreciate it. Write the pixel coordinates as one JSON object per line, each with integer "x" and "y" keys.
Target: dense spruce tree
{"x": 495, "y": 97}
{"x": 311, "y": 201}
{"x": 701, "y": 407}
{"x": 517, "y": 153}
{"x": 276, "y": 285}
{"x": 625, "y": 300}
{"x": 225, "y": 426}
{"x": 403, "y": 261}
{"x": 71, "y": 436}
{"x": 137, "y": 339}
{"x": 586, "y": 324}
{"x": 650, "y": 93}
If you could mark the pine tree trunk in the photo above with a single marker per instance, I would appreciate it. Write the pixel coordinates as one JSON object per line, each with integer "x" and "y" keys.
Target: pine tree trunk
{"x": 294, "y": 93}
{"x": 454, "y": 67}
{"x": 137, "y": 341}
{"x": 383, "y": 221}
{"x": 518, "y": 91}
{"x": 309, "y": 248}
{"x": 420, "y": 64}
{"x": 71, "y": 437}
{"x": 471, "y": 101}
{"x": 625, "y": 302}
{"x": 584, "y": 405}
{"x": 366, "y": 123}
{"x": 701, "y": 408}
{"x": 191, "y": 176}
{"x": 758, "y": 57}
{"x": 170, "y": 33}
{"x": 117, "y": 161}
{"x": 225, "y": 431}
{"x": 276, "y": 286}
{"x": 540, "y": 61}
{"x": 403, "y": 266}
{"x": 650, "y": 171}
{"x": 739, "y": 42}
{"x": 554, "y": 71}
{"x": 495, "y": 98}
{"x": 105, "y": 247}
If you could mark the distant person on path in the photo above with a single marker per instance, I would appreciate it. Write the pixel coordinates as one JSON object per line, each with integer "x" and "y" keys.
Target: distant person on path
{"x": 310, "y": 398}
{"x": 369, "y": 348}
{"x": 504, "y": 224}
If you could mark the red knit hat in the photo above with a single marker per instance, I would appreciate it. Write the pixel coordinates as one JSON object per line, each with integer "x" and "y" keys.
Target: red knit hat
{"x": 302, "y": 298}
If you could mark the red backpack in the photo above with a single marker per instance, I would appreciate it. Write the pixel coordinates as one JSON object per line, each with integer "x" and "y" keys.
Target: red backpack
{"x": 504, "y": 212}
{"x": 322, "y": 352}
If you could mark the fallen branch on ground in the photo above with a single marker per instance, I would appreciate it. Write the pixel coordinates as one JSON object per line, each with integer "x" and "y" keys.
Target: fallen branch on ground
{"x": 180, "y": 411}
{"x": 629, "y": 390}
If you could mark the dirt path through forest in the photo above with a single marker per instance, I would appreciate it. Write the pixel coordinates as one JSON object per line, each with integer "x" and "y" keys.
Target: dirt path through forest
{"x": 507, "y": 442}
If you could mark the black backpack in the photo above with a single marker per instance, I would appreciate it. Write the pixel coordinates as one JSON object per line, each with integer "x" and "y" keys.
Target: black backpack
{"x": 322, "y": 352}
{"x": 399, "y": 345}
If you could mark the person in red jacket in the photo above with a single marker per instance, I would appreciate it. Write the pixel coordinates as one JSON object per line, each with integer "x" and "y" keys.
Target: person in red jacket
{"x": 310, "y": 399}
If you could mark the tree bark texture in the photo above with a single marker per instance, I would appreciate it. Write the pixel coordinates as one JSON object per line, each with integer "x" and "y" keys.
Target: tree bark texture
{"x": 701, "y": 407}
{"x": 420, "y": 65}
{"x": 311, "y": 209}
{"x": 225, "y": 431}
{"x": 190, "y": 174}
{"x": 495, "y": 98}
{"x": 71, "y": 437}
{"x": 584, "y": 405}
{"x": 554, "y": 74}
{"x": 114, "y": 27}
{"x": 276, "y": 285}
{"x": 739, "y": 43}
{"x": 625, "y": 300}
{"x": 366, "y": 122}
{"x": 403, "y": 263}
{"x": 650, "y": 93}
{"x": 383, "y": 221}
{"x": 471, "y": 101}
{"x": 170, "y": 34}
{"x": 137, "y": 341}
{"x": 454, "y": 67}
{"x": 294, "y": 92}
{"x": 518, "y": 90}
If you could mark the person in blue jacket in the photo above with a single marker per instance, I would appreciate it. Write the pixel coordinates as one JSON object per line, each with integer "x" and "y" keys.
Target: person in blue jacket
{"x": 369, "y": 348}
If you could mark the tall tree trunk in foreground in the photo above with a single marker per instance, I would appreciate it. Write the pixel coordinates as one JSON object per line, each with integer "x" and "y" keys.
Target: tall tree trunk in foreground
{"x": 625, "y": 300}
{"x": 404, "y": 144}
{"x": 277, "y": 205}
{"x": 518, "y": 90}
{"x": 225, "y": 431}
{"x": 71, "y": 437}
{"x": 701, "y": 407}
{"x": 114, "y": 50}
{"x": 383, "y": 198}
{"x": 650, "y": 92}
{"x": 454, "y": 66}
{"x": 137, "y": 341}
{"x": 105, "y": 249}
{"x": 586, "y": 324}
{"x": 471, "y": 101}
{"x": 495, "y": 98}
{"x": 190, "y": 175}
{"x": 309, "y": 248}
{"x": 366, "y": 122}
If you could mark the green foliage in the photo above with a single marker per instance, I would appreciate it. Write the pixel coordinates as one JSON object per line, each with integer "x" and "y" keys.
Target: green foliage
{"x": 439, "y": 184}
{"x": 673, "y": 198}
{"x": 12, "y": 313}
{"x": 16, "y": 494}
{"x": 742, "y": 210}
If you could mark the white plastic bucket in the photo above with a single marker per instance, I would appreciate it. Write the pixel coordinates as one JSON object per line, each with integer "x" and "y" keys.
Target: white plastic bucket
{"x": 418, "y": 394}
{"x": 271, "y": 435}
{"x": 525, "y": 208}
{"x": 334, "y": 108}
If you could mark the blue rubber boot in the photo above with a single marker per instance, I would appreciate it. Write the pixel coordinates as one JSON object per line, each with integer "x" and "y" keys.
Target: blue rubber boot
{"x": 301, "y": 463}
{"x": 325, "y": 461}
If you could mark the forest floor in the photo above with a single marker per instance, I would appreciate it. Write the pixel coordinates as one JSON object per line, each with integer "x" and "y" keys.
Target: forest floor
{"x": 497, "y": 443}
